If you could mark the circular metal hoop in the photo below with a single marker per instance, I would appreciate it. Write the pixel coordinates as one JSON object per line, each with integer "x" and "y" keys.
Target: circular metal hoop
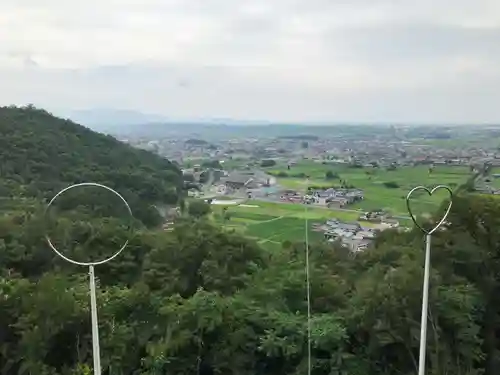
{"x": 72, "y": 260}
{"x": 430, "y": 192}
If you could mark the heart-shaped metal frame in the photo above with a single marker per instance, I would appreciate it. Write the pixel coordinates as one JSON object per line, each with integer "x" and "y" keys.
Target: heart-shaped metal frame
{"x": 430, "y": 192}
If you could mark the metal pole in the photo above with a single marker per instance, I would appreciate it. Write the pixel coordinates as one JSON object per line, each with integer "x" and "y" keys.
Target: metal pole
{"x": 308, "y": 286}
{"x": 425, "y": 306}
{"x": 95, "y": 326}
{"x": 93, "y": 302}
{"x": 427, "y": 266}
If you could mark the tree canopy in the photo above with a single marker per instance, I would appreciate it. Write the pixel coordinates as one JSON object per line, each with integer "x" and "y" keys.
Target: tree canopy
{"x": 199, "y": 299}
{"x": 40, "y": 154}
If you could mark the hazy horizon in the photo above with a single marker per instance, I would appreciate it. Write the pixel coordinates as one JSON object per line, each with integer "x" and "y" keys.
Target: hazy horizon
{"x": 299, "y": 61}
{"x": 98, "y": 117}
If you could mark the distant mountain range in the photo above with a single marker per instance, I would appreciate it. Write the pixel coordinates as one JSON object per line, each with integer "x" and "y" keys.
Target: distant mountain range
{"x": 136, "y": 123}
{"x": 99, "y": 118}
{"x": 125, "y": 123}
{"x": 103, "y": 118}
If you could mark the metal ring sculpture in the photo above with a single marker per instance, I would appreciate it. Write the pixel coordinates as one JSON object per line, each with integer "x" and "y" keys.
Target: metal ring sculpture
{"x": 72, "y": 260}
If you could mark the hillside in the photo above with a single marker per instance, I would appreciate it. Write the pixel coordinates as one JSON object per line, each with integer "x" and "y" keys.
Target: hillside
{"x": 40, "y": 154}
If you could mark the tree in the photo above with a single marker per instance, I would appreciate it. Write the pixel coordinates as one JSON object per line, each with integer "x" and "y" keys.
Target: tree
{"x": 267, "y": 163}
{"x": 226, "y": 214}
{"x": 41, "y": 154}
{"x": 329, "y": 175}
{"x": 198, "y": 208}
{"x": 391, "y": 184}
{"x": 201, "y": 298}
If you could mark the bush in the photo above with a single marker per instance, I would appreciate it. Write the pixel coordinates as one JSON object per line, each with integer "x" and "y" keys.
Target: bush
{"x": 198, "y": 208}
{"x": 329, "y": 175}
{"x": 391, "y": 185}
{"x": 267, "y": 163}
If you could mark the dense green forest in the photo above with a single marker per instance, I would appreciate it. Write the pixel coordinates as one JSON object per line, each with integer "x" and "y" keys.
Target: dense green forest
{"x": 40, "y": 154}
{"x": 203, "y": 300}
{"x": 199, "y": 300}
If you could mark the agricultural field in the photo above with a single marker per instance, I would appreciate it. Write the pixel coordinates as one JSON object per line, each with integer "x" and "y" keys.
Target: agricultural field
{"x": 272, "y": 223}
{"x": 372, "y": 181}
{"x": 494, "y": 177}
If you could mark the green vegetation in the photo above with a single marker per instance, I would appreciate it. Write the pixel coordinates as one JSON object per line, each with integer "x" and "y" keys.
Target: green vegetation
{"x": 41, "y": 154}
{"x": 196, "y": 142}
{"x": 383, "y": 189}
{"x": 198, "y": 208}
{"x": 203, "y": 300}
{"x": 494, "y": 181}
{"x": 274, "y": 223}
{"x": 211, "y": 164}
{"x": 267, "y": 163}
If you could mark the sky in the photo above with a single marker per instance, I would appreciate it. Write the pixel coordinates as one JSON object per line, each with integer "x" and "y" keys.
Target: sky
{"x": 424, "y": 61}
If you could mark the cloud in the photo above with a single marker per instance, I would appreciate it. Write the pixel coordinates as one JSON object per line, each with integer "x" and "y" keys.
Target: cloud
{"x": 283, "y": 59}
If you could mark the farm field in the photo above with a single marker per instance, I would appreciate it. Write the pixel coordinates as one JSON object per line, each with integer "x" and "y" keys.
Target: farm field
{"x": 494, "y": 180}
{"x": 371, "y": 181}
{"x": 272, "y": 223}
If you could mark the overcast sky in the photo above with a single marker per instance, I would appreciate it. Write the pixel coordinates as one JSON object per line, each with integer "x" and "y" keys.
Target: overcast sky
{"x": 290, "y": 60}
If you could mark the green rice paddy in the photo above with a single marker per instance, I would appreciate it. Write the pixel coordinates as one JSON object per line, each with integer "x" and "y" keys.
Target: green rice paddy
{"x": 273, "y": 223}
{"x": 371, "y": 181}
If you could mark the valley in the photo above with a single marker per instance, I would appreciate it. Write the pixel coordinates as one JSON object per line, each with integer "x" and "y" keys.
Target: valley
{"x": 215, "y": 268}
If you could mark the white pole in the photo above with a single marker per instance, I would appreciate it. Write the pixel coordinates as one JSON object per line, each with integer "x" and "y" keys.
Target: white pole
{"x": 425, "y": 305}
{"x": 93, "y": 302}
{"x": 308, "y": 286}
{"x": 95, "y": 326}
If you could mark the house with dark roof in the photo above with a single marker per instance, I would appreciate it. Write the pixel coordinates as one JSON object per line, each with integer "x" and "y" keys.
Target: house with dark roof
{"x": 237, "y": 180}
{"x": 247, "y": 179}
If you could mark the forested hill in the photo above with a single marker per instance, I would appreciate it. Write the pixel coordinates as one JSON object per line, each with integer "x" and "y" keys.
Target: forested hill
{"x": 202, "y": 300}
{"x": 40, "y": 154}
